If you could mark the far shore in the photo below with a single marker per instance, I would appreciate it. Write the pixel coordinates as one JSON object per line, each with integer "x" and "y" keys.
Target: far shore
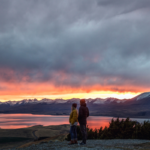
{"x": 140, "y": 117}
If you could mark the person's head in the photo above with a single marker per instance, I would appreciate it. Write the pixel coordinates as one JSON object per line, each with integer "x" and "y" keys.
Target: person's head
{"x": 82, "y": 102}
{"x": 74, "y": 106}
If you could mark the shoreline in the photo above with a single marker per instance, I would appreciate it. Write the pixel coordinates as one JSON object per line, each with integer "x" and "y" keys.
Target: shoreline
{"x": 68, "y": 115}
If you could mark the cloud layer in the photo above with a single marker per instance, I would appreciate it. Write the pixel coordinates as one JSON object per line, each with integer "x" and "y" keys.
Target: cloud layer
{"x": 76, "y": 43}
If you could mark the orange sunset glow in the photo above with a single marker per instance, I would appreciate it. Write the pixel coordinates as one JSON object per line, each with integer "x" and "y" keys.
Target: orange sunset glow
{"x": 43, "y": 90}
{"x": 69, "y": 96}
{"x": 20, "y": 87}
{"x": 55, "y": 52}
{"x": 18, "y": 90}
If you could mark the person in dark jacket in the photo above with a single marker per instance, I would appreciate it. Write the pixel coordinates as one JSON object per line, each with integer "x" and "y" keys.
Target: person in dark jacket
{"x": 83, "y": 114}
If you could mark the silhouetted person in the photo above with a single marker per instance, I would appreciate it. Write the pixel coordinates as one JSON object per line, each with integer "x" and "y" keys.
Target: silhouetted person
{"x": 73, "y": 120}
{"x": 83, "y": 114}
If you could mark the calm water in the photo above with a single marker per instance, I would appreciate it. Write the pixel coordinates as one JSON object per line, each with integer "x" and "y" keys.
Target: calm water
{"x": 14, "y": 121}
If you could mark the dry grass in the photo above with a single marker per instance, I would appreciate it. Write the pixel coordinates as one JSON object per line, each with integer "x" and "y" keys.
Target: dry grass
{"x": 144, "y": 146}
{"x": 36, "y": 132}
{"x": 58, "y": 137}
{"x": 26, "y": 133}
{"x": 40, "y": 131}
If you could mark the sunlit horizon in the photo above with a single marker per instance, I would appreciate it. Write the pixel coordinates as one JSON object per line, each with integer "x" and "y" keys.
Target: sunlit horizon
{"x": 92, "y": 95}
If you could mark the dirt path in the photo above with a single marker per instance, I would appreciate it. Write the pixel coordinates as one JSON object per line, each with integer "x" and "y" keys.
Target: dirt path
{"x": 33, "y": 133}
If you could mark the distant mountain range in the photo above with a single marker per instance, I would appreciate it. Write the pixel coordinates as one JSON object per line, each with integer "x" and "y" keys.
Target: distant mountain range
{"x": 138, "y": 106}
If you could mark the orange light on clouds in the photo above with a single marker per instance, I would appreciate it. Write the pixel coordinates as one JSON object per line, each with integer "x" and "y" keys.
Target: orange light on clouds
{"x": 25, "y": 90}
{"x": 44, "y": 90}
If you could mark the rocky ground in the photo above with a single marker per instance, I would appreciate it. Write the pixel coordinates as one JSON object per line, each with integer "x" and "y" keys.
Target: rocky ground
{"x": 92, "y": 145}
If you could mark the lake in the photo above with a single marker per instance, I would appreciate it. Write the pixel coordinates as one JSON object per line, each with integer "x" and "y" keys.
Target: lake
{"x": 15, "y": 121}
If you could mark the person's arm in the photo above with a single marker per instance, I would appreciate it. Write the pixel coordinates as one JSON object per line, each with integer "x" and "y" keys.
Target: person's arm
{"x": 70, "y": 117}
{"x": 80, "y": 113}
{"x": 74, "y": 117}
{"x": 87, "y": 112}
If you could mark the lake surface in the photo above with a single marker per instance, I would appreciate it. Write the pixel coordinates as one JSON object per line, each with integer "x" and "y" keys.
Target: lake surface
{"x": 15, "y": 121}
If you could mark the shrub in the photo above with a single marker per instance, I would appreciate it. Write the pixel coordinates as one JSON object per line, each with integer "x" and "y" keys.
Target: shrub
{"x": 118, "y": 129}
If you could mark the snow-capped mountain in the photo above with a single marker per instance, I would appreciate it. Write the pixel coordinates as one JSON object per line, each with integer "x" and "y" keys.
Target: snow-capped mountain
{"x": 89, "y": 100}
{"x": 135, "y": 107}
{"x": 143, "y": 95}
{"x": 10, "y": 103}
{"x": 60, "y": 101}
{"x": 97, "y": 101}
{"x": 48, "y": 101}
{"x": 73, "y": 100}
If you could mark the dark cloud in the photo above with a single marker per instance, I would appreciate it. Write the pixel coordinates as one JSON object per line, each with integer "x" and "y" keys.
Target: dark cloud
{"x": 101, "y": 42}
{"x": 124, "y": 6}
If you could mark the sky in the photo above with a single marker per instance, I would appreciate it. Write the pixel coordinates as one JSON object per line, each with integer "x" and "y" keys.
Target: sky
{"x": 74, "y": 48}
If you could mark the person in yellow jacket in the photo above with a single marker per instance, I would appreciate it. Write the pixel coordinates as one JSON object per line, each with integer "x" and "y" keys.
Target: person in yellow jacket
{"x": 73, "y": 120}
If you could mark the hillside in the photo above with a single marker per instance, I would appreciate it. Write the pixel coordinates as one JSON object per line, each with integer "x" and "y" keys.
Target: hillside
{"x": 10, "y": 138}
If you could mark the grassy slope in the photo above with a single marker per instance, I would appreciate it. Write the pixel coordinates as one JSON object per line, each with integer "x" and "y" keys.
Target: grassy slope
{"x": 16, "y": 137}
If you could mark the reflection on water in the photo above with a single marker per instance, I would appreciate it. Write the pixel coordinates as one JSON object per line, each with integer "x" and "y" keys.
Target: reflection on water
{"x": 14, "y": 121}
